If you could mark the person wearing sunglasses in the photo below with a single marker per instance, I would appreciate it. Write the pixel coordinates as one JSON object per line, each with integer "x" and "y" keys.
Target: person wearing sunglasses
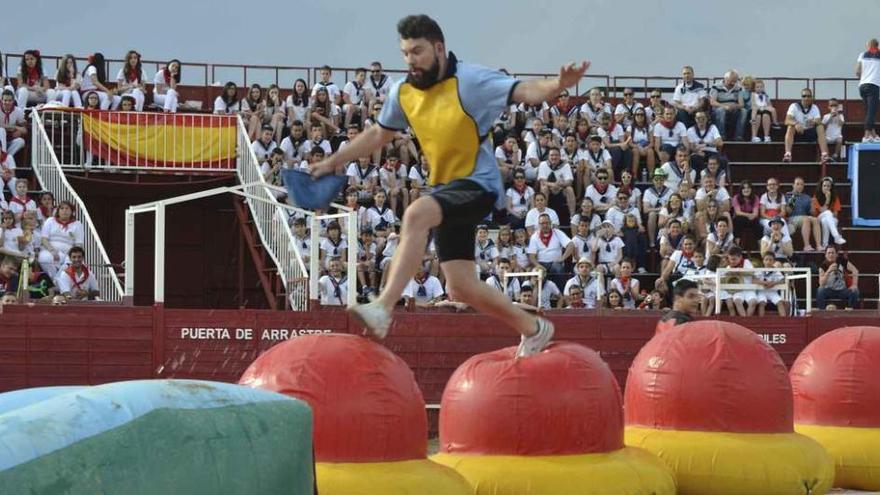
{"x": 555, "y": 179}
{"x": 378, "y": 84}
{"x": 689, "y": 96}
{"x": 726, "y": 100}
{"x": 602, "y": 192}
{"x": 625, "y": 111}
{"x": 804, "y": 125}
{"x": 519, "y": 199}
{"x": 655, "y": 107}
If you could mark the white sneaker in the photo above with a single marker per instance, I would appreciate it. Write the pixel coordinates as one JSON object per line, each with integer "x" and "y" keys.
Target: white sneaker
{"x": 768, "y": 139}
{"x": 840, "y": 241}
{"x": 756, "y": 139}
{"x": 529, "y": 346}
{"x": 868, "y": 139}
{"x": 373, "y": 317}
{"x": 876, "y": 140}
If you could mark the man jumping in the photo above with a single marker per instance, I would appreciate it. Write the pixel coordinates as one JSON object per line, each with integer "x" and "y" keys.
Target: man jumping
{"x": 450, "y": 106}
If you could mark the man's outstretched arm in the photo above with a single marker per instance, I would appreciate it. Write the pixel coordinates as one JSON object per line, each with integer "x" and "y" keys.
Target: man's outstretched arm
{"x": 536, "y": 91}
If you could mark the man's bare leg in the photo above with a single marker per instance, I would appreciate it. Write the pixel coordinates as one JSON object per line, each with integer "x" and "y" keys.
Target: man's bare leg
{"x": 463, "y": 285}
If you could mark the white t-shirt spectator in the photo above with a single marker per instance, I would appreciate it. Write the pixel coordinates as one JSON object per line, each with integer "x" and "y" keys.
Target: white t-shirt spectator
{"x": 562, "y": 172}
{"x": 520, "y": 202}
{"x": 84, "y": 281}
{"x": 513, "y": 286}
{"x": 361, "y": 176}
{"x": 553, "y": 250}
{"x": 582, "y": 246}
{"x": 626, "y": 292}
{"x": 355, "y": 94}
{"x": 689, "y": 96}
{"x": 514, "y": 159}
{"x": 654, "y": 198}
{"x": 332, "y": 90}
{"x": 429, "y": 290}
{"x": 615, "y": 134}
{"x": 533, "y": 215}
{"x": 62, "y": 236}
{"x": 375, "y": 216}
{"x": 641, "y": 136}
{"x": 668, "y": 136}
{"x": 600, "y": 200}
{"x": 721, "y": 194}
{"x": 802, "y": 115}
{"x": 263, "y": 150}
{"x": 331, "y": 249}
{"x": 574, "y": 158}
{"x": 617, "y": 216}
{"x": 870, "y": 68}
{"x": 607, "y": 251}
{"x": 10, "y": 238}
{"x": 676, "y": 175}
{"x": 532, "y": 112}
{"x": 593, "y": 114}
{"x": 222, "y": 108}
{"x": 707, "y": 137}
{"x": 591, "y": 290}
{"x": 627, "y": 111}
{"x": 772, "y": 207}
{"x": 87, "y": 84}
{"x": 595, "y": 161}
{"x": 307, "y": 146}
{"x": 549, "y": 291}
{"x": 682, "y": 264}
{"x": 833, "y": 126}
{"x": 485, "y": 252}
{"x": 332, "y": 291}
{"x": 417, "y": 176}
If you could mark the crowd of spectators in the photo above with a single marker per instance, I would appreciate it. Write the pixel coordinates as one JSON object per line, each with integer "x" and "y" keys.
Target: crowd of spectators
{"x": 597, "y": 194}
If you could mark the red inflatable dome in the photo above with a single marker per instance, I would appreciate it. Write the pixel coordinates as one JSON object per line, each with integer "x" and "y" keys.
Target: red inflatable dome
{"x": 365, "y": 401}
{"x": 562, "y": 401}
{"x": 709, "y": 376}
{"x": 836, "y": 379}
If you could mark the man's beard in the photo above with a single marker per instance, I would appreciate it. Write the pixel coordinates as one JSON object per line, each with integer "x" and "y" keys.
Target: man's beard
{"x": 427, "y": 78}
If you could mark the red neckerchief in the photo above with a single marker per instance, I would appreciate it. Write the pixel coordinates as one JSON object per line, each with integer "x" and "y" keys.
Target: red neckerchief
{"x": 72, "y": 274}
{"x": 742, "y": 261}
{"x": 64, "y": 225}
{"x": 46, "y": 213}
{"x": 873, "y": 50}
{"x": 545, "y": 238}
{"x": 33, "y": 76}
{"x": 626, "y": 188}
{"x": 612, "y": 126}
{"x": 582, "y": 136}
{"x": 624, "y": 282}
{"x": 131, "y": 74}
{"x": 687, "y": 255}
{"x": 167, "y": 77}
{"x": 601, "y": 188}
{"x": 7, "y": 115}
{"x": 669, "y": 124}
{"x": 520, "y": 189}
{"x": 16, "y": 199}
{"x": 563, "y": 109}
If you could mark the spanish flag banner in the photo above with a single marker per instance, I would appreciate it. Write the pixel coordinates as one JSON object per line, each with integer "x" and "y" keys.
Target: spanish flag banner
{"x": 159, "y": 140}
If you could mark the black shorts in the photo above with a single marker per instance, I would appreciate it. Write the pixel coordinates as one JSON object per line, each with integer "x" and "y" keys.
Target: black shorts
{"x": 808, "y": 136}
{"x": 464, "y": 204}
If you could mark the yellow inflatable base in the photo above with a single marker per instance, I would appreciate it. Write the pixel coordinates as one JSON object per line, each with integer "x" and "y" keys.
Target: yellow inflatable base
{"x": 854, "y": 451}
{"x": 739, "y": 463}
{"x": 626, "y": 471}
{"x": 419, "y": 477}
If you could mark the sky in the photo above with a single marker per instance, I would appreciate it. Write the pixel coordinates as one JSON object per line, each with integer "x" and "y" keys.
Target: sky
{"x": 641, "y": 37}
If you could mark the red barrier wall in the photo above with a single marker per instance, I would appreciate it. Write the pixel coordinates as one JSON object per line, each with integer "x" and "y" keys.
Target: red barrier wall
{"x": 55, "y": 345}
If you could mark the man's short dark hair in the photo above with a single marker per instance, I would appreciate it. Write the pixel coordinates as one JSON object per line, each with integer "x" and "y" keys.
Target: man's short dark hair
{"x": 681, "y": 147}
{"x": 420, "y": 26}
{"x": 77, "y": 249}
{"x": 359, "y": 70}
{"x": 326, "y": 67}
{"x": 735, "y": 251}
{"x": 682, "y": 286}
{"x": 277, "y": 151}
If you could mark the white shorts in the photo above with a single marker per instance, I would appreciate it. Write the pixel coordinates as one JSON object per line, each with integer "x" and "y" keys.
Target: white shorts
{"x": 384, "y": 263}
{"x": 770, "y": 295}
{"x": 745, "y": 296}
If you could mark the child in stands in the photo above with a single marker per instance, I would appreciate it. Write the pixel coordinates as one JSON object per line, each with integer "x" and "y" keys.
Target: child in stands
{"x": 833, "y": 121}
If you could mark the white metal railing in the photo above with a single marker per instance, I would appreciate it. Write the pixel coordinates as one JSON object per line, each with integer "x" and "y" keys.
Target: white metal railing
{"x": 143, "y": 140}
{"x": 52, "y": 179}
{"x": 789, "y": 275}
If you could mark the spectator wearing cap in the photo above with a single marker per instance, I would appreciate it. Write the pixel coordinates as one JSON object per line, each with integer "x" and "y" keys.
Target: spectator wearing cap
{"x": 510, "y": 286}
{"x": 537, "y": 152}
{"x": 668, "y": 135}
{"x": 549, "y": 247}
{"x": 680, "y": 169}
{"x": 654, "y": 199}
{"x": 777, "y": 242}
{"x": 540, "y": 208}
{"x": 868, "y": 72}
{"x": 333, "y": 287}
{"x": 799, "y": 212}
{"x": 485, "y": 252}
{"x": 804, "y": 124}
{"x": 264, "y": 144}
{"x": 589, "y": 287}
{"x": 555, "y": 179}
{"x": 608, "y": 248}
{"x": 423, "y": 289}
{"x": 689, "y": 97}
{"x": 366, "y": 261}
{"x": 726, "y": 100}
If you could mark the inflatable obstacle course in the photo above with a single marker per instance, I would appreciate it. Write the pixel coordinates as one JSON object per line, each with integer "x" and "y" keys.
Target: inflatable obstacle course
{"x": 836, "y": 386}
{"x": 371, "y": 428}
{"x": 148, "y": 437}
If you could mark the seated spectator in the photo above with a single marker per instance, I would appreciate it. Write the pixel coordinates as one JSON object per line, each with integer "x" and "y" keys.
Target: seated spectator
{"x": 720, "y": 241}
{"x": 379, "y": 213}
{"x": 833, "y": 122}
{"x": 763, "y": 113}
{"x": 615, "y": 300}
{"x": 799, "y": 211}
{"x": 485, "y": 252}
{"x": 710, "y": 191}
{"x": 597, "y": 158}
{"x": 656, "y": 107}
{"x": 68, "y": 83}
{"x": 314, "y": 156}
{"x": 252, "y": 108}
{"x": 297, "y": 103}
{"x": 333, "y": 245}
{"x": 324, "y": 112}
{"x": 560, "y": 129}
{"x": 9, "y": 233}
{"x": 602, "y": 193}
{"x": 582, "y": 239}
{"x": 264, "y": 145}
{"x": 642, "y": 139}
{"x": 392, "y": 178}
{"x": 704, "y": 141}
{"x": 826, "y": 207}
{"x": 76, "y": 282}
{"x": 519, "y": 199}
{"x": 520, "y": 258}
{"x": 29, "y": 240}
{"x": 675, "y": 210}
{"x": 707, "y": 221}
{"x": 550, "y": 295}
{"x": 772, "y": 203}
{"x": 772, "y": 283}
{"x": 332, "y": 90}
{"x": 742, "y": 302}
{"x": 527, "y": 298}
{"x": 671, "y": 239}
{"x": 228, "y": 102}
{"x": 13, "y": 128}
{"x": 669, "y": 134}
{"x": 777, "y": 242}
{"x": 41, "y": 288}
{"x": 418, "y": 178}
{"x": 620, "y": 210}
{"x": 316, "y": 140}
{"x": 654, "y": 200}
{"x": 680, "y": 170}
{"x": 626, "y": 285}
{"x": 127, "y": 104}
{"x": 555, "y": 180}
{"x": 33, "y": 85}
{"x": 131, "y": 80}
{"x": 509, "y": 157}
{"x": 582, "y": 132}
{"x": 367, "y": 262}
{"x": 680, "y": 262}
{"x": 715, "y": 170}
{"x": 804, "y": 124}
{"x": 727, "y": 104}
{"x": 526, "y": 114}
{"x": 617, "y": 142}
{"x": 549, "y": 247}
{"x": 576, "y": 159}
{"x": 540, "y": 208}
{"x": 94, "y": 79}
{"x": 354, "y": 98}
{"x": 510, "y": 286}
{"x": 504, "y": 243}
{"x": 423, "y": 289}
{"x": 587, "y": 213}
{"x": 625, "y": 111}
{"x": 333, "y": 287}
{"x": 593, "y": 109}
{"x": 8, "y": 272}
{"x": 532, "y": 132}
{"x": 689, "y": 97}
{"x": 165, "y": 87}
{"x": 746, "y": 212}
{"x": 19, "y": 202}
{"x": 363, "y": 176}
{"x": 564, "y": 107}
{"x": 273, "y": 112}
{"x": 59, "y": 234}
{"x": 838, "y": 279}
{"x": 537, "y": 152}
{"x": 575, "y": 300}
{"x": 292, "y": 144}
{"x": 608, "y": 248}
{"x": 301, "y": 238}
{"x": 589, "y": 287}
